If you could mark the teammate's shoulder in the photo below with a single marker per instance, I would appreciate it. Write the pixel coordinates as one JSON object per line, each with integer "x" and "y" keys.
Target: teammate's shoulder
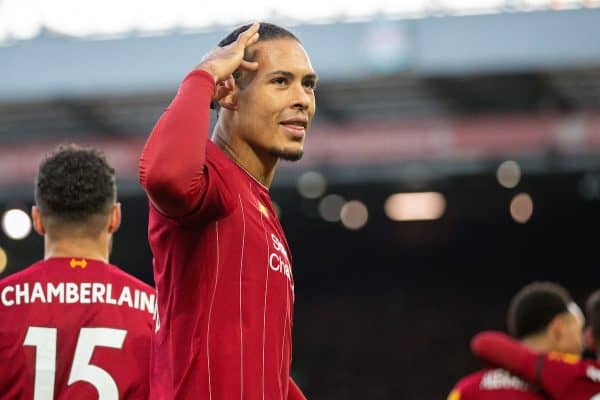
{"x": 471, "y": 380}
{"x": 466, "y": 385}
{"x": 24, "y": 274}
{"x": 128, "y": 278}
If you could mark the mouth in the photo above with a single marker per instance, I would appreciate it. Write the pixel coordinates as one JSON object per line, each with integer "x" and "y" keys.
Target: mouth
{"x": 296, "y": 127}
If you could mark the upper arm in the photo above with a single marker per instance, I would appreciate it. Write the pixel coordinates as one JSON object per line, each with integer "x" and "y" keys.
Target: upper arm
{"x": 216, "y": 199}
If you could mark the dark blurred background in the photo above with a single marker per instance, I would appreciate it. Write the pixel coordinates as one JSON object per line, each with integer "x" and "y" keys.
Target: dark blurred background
{"x": 455, "y": 157}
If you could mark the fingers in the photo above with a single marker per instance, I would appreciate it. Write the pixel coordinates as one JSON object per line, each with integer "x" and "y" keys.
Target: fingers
{"x": 249, "y": 34}
{"x": 253, "y": 39}
{"x": 221, "y": 92}
{"x": 223, "y": 88}
{"x": 229, "y": 83}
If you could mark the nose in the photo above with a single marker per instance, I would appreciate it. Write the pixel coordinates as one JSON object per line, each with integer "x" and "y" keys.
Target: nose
{"x": 303, "y": 98}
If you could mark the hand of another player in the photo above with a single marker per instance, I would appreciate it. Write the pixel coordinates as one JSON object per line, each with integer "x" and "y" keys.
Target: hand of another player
{"x": 221, "y": 62}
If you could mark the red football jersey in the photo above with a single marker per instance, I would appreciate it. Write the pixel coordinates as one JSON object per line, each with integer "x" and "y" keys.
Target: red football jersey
{"x": 74, "y": 329}
{"x": 223, "y": 271}
{"x": 561, "y": 376}
{"x": 493, "y": 384}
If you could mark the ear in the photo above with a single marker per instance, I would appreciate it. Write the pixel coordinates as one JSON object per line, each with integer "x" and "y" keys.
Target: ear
{"x": 555, "y": 329}
{"x": 114, "y": 220}
{"x": 38, "y": 224}
{"x": 588, "y": 337}
{"x": 227, "y": 92}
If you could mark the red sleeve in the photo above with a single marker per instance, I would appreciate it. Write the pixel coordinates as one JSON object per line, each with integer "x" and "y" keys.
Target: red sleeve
{"x": 172, "y": 164}
{"x": 294, "y": 392}
{"x": 505, "y": 352}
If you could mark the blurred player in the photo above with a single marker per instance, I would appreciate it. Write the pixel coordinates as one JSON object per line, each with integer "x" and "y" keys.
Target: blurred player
{"x": 539, "y": 317}
{"x": 561, "y": 376}
{"x": 73, "y": 326}
{"x": 223, "y": 267}
{"x": 592, "y": 332}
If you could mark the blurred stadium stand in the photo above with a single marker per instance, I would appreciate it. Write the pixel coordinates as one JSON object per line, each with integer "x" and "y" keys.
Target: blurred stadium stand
{"x": 404, "y": 105}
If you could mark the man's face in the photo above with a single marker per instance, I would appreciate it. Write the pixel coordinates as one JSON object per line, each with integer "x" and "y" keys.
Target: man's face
{"x": 276, "y": 104}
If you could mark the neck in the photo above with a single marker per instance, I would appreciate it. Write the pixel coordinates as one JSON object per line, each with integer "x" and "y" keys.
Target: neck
{"x": 537, "y": 343}
{"x": 92, "y": 248}
{"x": 260, "y": 166}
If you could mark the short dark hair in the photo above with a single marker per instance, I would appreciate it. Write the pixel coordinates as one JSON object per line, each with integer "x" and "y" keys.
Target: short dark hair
{"x": 74, "y": 184}
{"x": 266, "y": 31}
{"x": 592, "y": 309}
{"x": 535, "y": 306}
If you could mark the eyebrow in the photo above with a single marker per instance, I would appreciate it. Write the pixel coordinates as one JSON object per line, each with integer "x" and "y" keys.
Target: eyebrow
{"x": 290, "y": 75}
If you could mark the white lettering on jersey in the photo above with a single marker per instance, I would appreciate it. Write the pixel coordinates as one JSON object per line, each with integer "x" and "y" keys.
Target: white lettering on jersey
{"x": 125, "y": 297}
{"x": 279, "y": 261}
{"x": 55, "y": 291}
{"x": 70, "y": 293}
{"x": 38, "y": 293}
{"x": 593, "y": 373}
{"x": 501, "y": 379}
{"x": 4, "y": 296}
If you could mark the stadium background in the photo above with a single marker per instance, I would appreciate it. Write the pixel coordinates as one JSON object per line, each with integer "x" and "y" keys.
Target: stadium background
{"x": 493, "y": 113}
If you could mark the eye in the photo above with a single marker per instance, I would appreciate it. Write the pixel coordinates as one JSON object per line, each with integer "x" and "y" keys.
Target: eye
{"x": 279, "y": 80}
{"x": 310, "y": 84}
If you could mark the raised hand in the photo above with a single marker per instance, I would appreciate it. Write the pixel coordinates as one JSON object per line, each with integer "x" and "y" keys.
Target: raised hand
{"x": 221, "y": 62}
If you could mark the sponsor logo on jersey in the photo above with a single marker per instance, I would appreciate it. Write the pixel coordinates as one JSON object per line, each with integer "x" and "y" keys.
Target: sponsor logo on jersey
{"x": 279, "y": 260}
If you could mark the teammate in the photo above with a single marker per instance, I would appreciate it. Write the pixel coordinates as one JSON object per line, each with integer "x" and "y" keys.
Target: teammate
{"x": 561, "y": 376}
{"x": 592, "y": 332}
{"x": 73, "y": 326}
{"x": 538, "y": 316}
{"x": 222, "y": 265}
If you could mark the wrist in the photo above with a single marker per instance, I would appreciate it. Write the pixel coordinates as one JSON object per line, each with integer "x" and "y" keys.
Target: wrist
{"x": 208, "y": 70}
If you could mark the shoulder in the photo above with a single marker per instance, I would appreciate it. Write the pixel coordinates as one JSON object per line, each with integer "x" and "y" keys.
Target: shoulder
{"x": 23, "y": 275}
{"x": 216, "y": 156}
{"x": 466, "y": 385}
{"x": 471, "y": 380}
{"x": 129, "y": 279}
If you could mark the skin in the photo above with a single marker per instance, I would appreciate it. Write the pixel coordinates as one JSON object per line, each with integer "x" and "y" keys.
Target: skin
{"x": 267, "y": 112}
{"x": 76, "y": 241}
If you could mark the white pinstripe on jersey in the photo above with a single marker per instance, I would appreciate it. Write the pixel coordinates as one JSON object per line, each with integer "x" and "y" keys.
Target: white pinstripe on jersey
{"x": 210, "y": 314}
{"x": 241, "y": 321}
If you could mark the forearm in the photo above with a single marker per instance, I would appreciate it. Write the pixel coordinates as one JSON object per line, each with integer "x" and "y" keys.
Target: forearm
{"x": 171, "y": 168}
{"x": 294, "y": 392}
{"x": 505, "y": 352}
